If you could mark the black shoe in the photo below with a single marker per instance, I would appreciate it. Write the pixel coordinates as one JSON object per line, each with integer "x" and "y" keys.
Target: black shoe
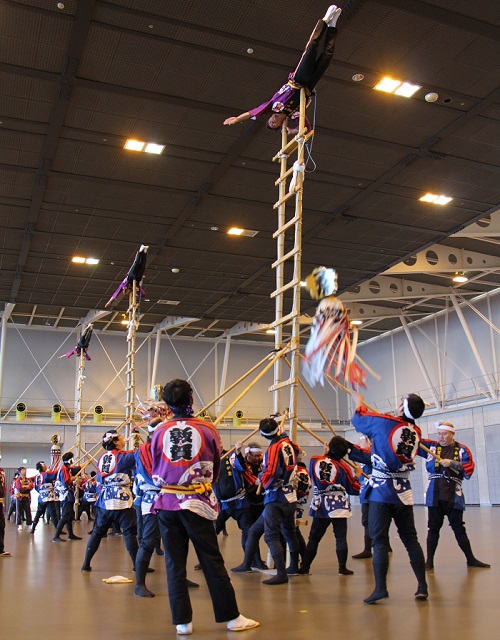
{"x": 276, "y": 580}
{"x": 242, "y": 568}
{"x": 260, "y": 565}
{"x": 143, "y": 592}
{"x": 378, "y": 594}
{"x": 73, "y": 537}
{"x": 159, "y": 551}
{"x": 197, "y": 567}
{"x": 192, "y": 585}
{"x": 429, "y": 565}
{"x": 292, "y": 571}
{"x": 86, "y": 567}
{"x": 345, "y": 572}
{"x": 362, "y": 555}
{"x": 421, "y": 593}
{"x": 148, "y": 570}
{"x": 57, "y": 539}
{"x": 478, "y": 564}
{"x": 304, "y": 571}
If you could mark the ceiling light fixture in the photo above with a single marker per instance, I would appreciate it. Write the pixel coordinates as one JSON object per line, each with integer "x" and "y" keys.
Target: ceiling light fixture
{"x": 235, "y": 231}
{"x": 92, "y": 261}
{"x": 399, "y": 88}
{"x": 460, "y": 277}
{"x": 271, "y": 332}
{"x": 134, "y": 145}
{"x": 387, "y": 84}
{"x": 431, "y": 197}
{"x": 152, "y": 147}
{"x": 124, "y": 322}
{"x": 78, "y": 260}
{"x": 356, "y": 322}
{"x": 407, "y": 90}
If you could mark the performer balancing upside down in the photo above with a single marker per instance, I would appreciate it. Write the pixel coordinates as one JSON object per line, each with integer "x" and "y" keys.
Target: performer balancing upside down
{"x": 286, "y": 101}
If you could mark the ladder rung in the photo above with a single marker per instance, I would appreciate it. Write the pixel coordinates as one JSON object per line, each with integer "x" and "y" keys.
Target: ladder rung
{"x": 289, "y": 195}
{"x": 284, "y": 319}
{"x": 290, "y": 147}
{"x": 285, "y": 383}
{"x": 285, "y": 287}
{"x": 286, "y": 226}
{"x": 284, "y": 176}
{"x": 286, "y": 257}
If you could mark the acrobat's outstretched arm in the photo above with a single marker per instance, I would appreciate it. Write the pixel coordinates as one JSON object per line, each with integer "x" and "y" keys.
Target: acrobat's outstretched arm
{"x": 236, "y": 119}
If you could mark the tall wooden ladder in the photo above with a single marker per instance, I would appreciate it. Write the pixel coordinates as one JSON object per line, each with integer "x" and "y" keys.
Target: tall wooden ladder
{"x": 288, "y": 266}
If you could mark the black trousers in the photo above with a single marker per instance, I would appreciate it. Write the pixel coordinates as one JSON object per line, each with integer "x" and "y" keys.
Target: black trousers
{"x": 23, "y": 508}
{"x": 125, "y": 519}
{"x": 66, "y": 519}
{"x": 45, "y": 508}
{"x": 380, "y": 516}
{"x": 279, "y": 518}
{"x": 435, "y": 521}
{"x": 177, "y": 528}
{"x": 318, "y": 529}
{"x": 312, "y": 66}
{"x": 150, "y": 538}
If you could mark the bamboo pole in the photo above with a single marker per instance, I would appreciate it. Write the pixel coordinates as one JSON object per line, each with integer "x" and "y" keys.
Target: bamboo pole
{"x": 232, "y": 386}
{"x": 261, "y": 374}
{"x": 346, "y": 460}
{"x": 228, "y": 453}
{"x": 308, "y": 394}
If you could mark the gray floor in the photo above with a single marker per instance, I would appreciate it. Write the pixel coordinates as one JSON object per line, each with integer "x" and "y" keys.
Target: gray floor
{"x": 44, "y": 594}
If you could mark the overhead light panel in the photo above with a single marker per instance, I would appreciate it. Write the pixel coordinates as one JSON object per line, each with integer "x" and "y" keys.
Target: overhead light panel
{"x": 134, "y": 145}
{"x": 431, "y": 197}
{"x": 124, "y": 322}
{"x": 460, "y": 277}
{"x": 152, "y": 147}
{"x": 271, "y": 332}
{"x": 91, "y": 261}
{"x": 399, "y": 88}
{"x": 387, "y": 84}
{"x": 235, "y": 231}
{"x": 356, "y": 322}
{"x": 407, "y": 90}
{"x": 442, "y": 200}
{"x": 78, "y": 260}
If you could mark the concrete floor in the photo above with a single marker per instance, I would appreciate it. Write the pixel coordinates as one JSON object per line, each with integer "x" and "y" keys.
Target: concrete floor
{"x": 44, "y": 594}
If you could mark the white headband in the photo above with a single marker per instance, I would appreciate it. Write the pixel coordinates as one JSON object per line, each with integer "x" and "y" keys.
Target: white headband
{"x": 271, "y": 433}
{"x": 253, "y": 450}
{"x": 445, "y": 427}
{"x": 406, "y": 410}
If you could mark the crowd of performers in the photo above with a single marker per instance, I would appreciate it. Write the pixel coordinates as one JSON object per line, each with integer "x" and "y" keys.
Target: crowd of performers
{"x": 178, "y": 489}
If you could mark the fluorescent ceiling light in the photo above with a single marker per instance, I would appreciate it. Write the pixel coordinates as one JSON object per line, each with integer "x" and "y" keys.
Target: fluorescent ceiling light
{"x": 429, "y": 197}
{"x": 134, "y": 145}
{"x": 303, "y": 283}
{"x": 460, "y": 277}
{"x": 387, "y": 84}
{"x": 78, "y": 260}
{"x": 125, "y": 322}
{"x": 442, "y": 200}
{"x": 92, "y": 261}
{"x": 407, "y": 90}
{"x": 152, "y": 147}
{"x": 271, "y": 331}
{"x": 235, "y": 231}
{"x": 356, "y": 322}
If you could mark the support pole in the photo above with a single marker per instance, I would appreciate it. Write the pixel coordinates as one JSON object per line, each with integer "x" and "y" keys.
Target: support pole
{"x": 3, "y": 341}
{"x": 420, "y": 361}
{"x": 473, "y": 346}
